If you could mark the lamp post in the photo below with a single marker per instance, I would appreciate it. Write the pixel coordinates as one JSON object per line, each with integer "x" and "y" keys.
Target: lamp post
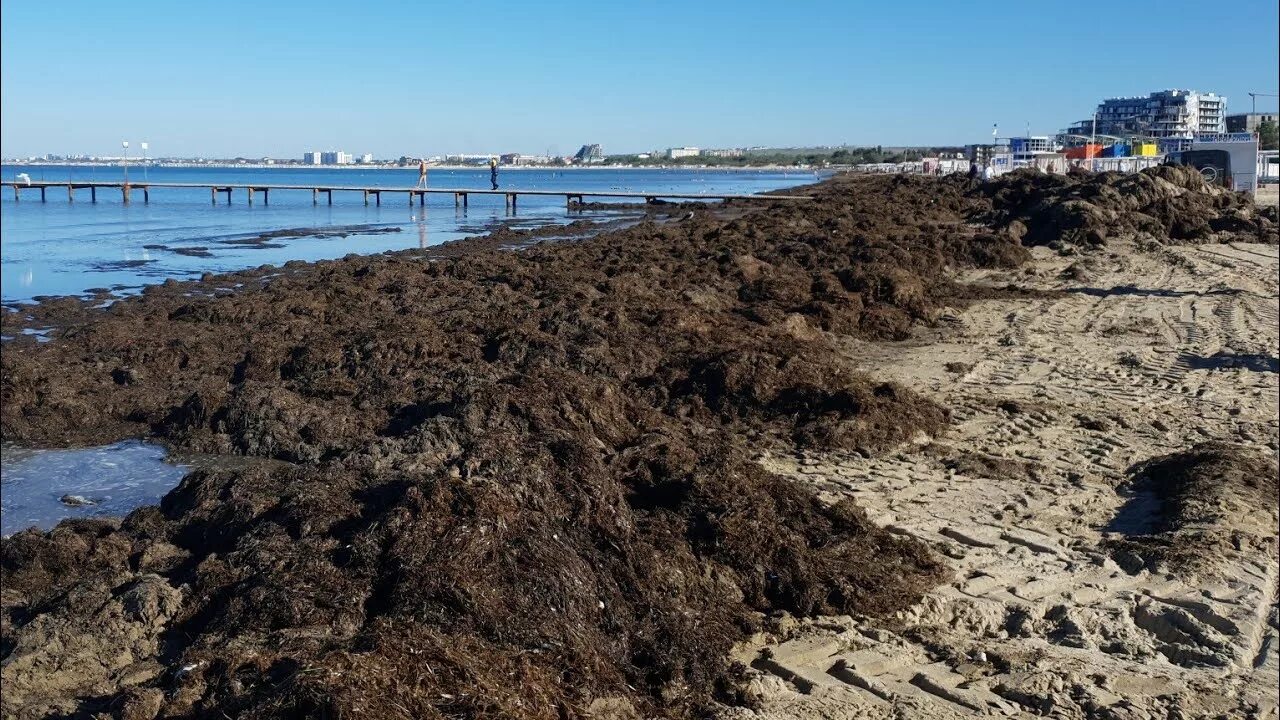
{"x": 125, "y": 145}
{"x": 144, "y": 162}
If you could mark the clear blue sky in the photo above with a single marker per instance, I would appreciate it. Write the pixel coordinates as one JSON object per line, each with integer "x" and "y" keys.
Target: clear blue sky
{"x": 277, "y": 78}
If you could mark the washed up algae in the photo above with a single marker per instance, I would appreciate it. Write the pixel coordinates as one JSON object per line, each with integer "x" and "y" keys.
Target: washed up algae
{"x": 502, "y": 484}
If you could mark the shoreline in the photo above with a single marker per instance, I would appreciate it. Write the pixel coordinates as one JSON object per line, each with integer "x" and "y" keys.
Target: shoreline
{"x": 639, "y": 451}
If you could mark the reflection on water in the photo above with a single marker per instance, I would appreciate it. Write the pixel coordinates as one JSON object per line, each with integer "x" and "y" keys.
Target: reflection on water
{"x": 62, "y": 248}
{"x": 43, "y": 487}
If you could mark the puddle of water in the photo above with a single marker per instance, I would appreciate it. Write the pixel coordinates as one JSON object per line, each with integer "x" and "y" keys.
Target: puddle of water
{"x": 116, "y": 479}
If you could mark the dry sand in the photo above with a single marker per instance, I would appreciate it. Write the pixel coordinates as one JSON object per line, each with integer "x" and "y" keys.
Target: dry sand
{"x": 521, "y": 484}
{"x": 1054, "y": 399}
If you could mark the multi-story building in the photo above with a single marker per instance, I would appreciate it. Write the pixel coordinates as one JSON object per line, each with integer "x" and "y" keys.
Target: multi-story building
{"x": 1163, "y": 114}
{"x": 724, "y": 153}
{"x": 311, "y": 158}
{"x": 366, "y": 159}
{"x": 335, "y": 157}
{"x": 1248, "y": 122}
{"x": 682, "y": 152}
{"x": 591, "y": 153}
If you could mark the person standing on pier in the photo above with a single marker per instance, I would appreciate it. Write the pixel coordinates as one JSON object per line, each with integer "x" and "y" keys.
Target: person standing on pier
{"x": 422, "y": 174}
{"x": 493, "y": 172}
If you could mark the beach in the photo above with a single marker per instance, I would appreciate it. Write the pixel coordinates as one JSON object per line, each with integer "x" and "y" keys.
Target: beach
{"x": 917, "y": 447}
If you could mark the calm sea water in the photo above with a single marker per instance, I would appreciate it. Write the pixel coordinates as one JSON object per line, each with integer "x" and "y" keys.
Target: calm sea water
{"x": 43, "y": 487}
{"x": 66, "y": 248}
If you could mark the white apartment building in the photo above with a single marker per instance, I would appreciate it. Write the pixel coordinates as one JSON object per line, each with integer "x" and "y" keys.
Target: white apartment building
{"x": 1163, "y": 114}
{"x": 681, "y": 152}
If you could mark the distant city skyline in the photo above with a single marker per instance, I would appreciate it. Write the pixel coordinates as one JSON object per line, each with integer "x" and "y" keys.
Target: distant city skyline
{"x": 395, "y": 78}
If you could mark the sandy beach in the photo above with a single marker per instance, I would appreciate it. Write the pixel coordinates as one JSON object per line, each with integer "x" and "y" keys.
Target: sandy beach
{"x": 917, "y": 448}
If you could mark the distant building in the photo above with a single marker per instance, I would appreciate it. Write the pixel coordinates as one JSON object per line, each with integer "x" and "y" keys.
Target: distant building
{"x": 311, "y": 158}
{"x": 682, "y": 152}
{"x": 519, "y": 159}
{"x": 1164, "y": 114}
{"x": 335, "y": 157}
{"x": 366, "y": 158}
{"x": 724, "y": 153}
{"x": 589, "y": 154}
{"x": 1248, "y": 122}
{"x": 982, "y": 154}
{"x": 1026, "y": 148}
{"x": 470, "y": 158}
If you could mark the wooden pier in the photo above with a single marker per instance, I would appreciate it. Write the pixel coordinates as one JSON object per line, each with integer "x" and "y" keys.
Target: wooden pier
{"x": 460, "y": 195}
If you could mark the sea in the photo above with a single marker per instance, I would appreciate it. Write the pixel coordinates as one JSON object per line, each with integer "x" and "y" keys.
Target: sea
{"x": 59, "y": 247}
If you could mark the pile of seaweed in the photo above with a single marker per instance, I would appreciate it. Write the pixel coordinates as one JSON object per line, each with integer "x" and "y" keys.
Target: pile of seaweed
{"x": 1170, "y": 204}
{"x": 499, "y": 484}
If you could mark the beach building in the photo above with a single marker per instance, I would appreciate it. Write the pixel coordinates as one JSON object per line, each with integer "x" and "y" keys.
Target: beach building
{"x": 335, "y": 157}
{"x": 682, "y": 152}
{"x": 1038, "y": 151}
{"x": 724, "y": 153}
{"x": 1248, "y": 122}
{"x": 1163, "y": 114}
{"x": 311, "y": 158}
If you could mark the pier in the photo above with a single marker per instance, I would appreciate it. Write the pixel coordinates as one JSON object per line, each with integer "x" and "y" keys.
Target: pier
{"x": 460, "y": 195}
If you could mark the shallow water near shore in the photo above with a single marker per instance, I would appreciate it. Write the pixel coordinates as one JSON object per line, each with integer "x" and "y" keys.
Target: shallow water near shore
{"x": 106, "y": 481}
{"x": 67, "y": 248}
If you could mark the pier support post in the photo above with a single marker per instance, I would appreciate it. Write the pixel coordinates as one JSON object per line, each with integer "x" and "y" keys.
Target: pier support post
{"x": 146, "y": 194}
{"x": 314, "y": 193}
{"x": 71, "y": 194}
{"x": 16, "y": 194}
{"x": 330, "y": 194}
{"x": 377, "y": 197}
{"x": 41, "y": 194}
{"x": 93, "y": 194}
{"x": 266, "y": 196}
{"x": 124, "y": 193}
{"x": 250, "y": 195}
{"x": 410, "y": 198}
{"x": 213, "y": 195}
{"x": 366, "y": 198}
{"x": 422, "y": 199}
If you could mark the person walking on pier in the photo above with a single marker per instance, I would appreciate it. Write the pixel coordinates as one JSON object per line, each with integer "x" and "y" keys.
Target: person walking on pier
{"x": 493, "y": 172}
{"x": 422, "y": 174}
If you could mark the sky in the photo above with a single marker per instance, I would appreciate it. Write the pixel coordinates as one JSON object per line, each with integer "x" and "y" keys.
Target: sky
{"x": 278, "y": 78}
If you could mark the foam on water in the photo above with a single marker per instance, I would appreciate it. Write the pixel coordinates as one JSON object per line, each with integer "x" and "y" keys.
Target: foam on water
{"x": 116, "y": 479}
